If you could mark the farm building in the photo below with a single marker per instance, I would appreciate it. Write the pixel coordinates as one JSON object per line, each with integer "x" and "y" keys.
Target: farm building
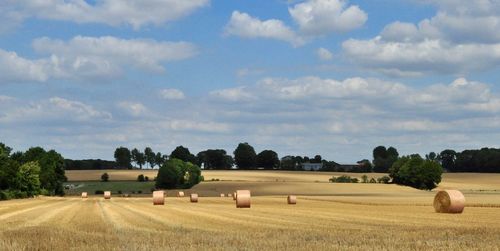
{"x": 312, "y": 166}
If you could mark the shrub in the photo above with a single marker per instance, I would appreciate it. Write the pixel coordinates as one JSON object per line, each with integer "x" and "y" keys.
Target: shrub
{"x": 140, "y": 178}
{"x": 364, "y": 178}
{"x": 146, "y": 178}
{"x": 384, "y": 179}
{"x": 105, "y": 177}
{"x": 139, "y": 191}
{"x": 119, "y": 191}
{"x": 372, "y": 180}
{"x": 4, "y": 195}
{"x": 99, "y": 192}
{"x": 343, "y": 179}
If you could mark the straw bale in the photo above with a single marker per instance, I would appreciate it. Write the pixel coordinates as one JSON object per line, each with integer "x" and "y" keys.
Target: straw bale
{"x": 449, "y": 201}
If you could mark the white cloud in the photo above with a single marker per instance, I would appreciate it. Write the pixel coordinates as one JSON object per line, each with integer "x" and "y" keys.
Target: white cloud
{"x": 313, "y": 17}
{"x": 172, "y": 94}
{"x": 91, "y": 57}
{"x": 133, "y": 108}
{"x": 320, "y": 17}
{"x": 53, "y": 109}
{"x": 110, "y": 12}
{"x": 233, "y": 94}
{"x": 461, "y": 38}
{"x": 244, "y": 25}
{"x": 324, "y": 54}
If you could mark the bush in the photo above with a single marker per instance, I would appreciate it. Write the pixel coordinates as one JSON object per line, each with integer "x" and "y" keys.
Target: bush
{"x": 99, "y": 192}
{"x": 4, "y": 195}
{"x": 146, "y": 178}
{"x": 140, "y": 178}
{"x": 105, "y": 177}
{"x": 119, "y": 191}
{"x": 372, "y": 180}
{"x": 176, "y": 173}
{"x": 384, "y": 179}
{"x": 343, "y": 179}
{"x": 416, "y": 172}
{"x": 139, "y": 191}
{"x": 364, "y": 178}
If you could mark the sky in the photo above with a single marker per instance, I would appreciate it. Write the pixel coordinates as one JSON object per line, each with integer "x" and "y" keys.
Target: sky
{"x": 329, "y": 77}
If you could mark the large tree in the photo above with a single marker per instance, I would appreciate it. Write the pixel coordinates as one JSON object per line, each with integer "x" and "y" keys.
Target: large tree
{"x": 138, "y": 157}
{"x": 268, "y": 159}
{"x": 176, "y": 173}
{"x": 416, "y": 172}
{"x": 384, "y": 158}
{"x": 123, "y": 157}
{"x": 244, "y": 156}
{"x": 215, "y": 159}
{"x": 183, "y": 154}
{"x": 150, "y": 156}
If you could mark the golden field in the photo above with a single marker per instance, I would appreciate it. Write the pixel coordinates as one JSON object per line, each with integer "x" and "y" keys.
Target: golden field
{"x": 327, "y": 216}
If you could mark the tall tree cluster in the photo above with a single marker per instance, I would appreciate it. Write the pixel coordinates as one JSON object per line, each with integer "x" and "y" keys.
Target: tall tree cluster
{"x": 485, "y": 160}
{"x": 30, "y": 173}
{"x": 384, "y": 158}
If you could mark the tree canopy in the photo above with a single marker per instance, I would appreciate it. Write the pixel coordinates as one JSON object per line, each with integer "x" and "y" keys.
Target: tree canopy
{"x": 416, "y": 172}
{"x": 268, "y": 159}
{"x": 245, "y": 156}
{"x": 176, "y": 173}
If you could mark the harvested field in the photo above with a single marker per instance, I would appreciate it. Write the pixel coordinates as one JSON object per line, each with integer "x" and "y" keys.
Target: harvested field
{"x": 215, "y": 223}
{"x": 328, "y": 216}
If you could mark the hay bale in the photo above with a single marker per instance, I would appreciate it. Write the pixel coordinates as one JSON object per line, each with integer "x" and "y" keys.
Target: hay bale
{"x": 243, "y": 198}
{"x": 107, "y": 195}
{"x": 222, "y": 195}
{"x": 84, "y": 195}
{"x": 180, "y": 194}
{"x": 194, "y": 197}
{"x": 229, "y": 195}
{"x": 158, "y": 198}
{"x": 292, "y": 199}
{"x": 449, "y": 201}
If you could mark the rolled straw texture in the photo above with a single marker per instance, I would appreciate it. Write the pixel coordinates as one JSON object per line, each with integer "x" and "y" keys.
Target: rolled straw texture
{"x": 449, "y": 201}
{"x": 243, "y": 199}
{"x": 158, "y": 198}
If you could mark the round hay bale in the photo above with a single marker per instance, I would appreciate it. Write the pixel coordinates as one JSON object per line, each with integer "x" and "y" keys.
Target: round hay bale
{"x": 292, "y": 199}
{"x": 158, "y": 198}
{"x": 84, "y": 195}
{"x": 194, "y": 197}
{"x": 107, "y": 195}
{"x": 449, "y": 201}
{"x": 229, "y": 195}
{"x": 222, "y": 195}
{"x": 243, "y": 198}
{"x": 180, "y": 194}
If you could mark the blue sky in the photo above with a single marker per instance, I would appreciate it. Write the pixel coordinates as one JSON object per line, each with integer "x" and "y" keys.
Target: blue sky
{"x": 329, "y": 77}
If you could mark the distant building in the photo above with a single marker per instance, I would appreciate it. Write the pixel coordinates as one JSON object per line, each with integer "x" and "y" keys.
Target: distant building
{"x": 312, "y": 166}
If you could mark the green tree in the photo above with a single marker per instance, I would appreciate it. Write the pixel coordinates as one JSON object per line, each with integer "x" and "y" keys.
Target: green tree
{"x": 447, "y": 158}
{"x": 28, "y": 180}
{"x": 268, "y": 159}
{"x": 150, "y": 156}
{"x": 52, "y": 173}
{"x": 123, "y": 157}
{"x": 176, "y": 173}
{"x": 244, "y": 156}
{"x": 288, "y": 163}
{"x": 138, "y": 157}
{"x": 183, "y": 154}
{"x": 105, "y": 177}
{"x": 141, "y": 178}
{"x": 215, "y": 159}
{"x": 384, "y": 158}
{"x": 416, "y": 172}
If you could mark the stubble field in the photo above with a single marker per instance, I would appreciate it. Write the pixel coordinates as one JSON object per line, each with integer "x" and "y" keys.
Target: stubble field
{"x": 327, "y": 217}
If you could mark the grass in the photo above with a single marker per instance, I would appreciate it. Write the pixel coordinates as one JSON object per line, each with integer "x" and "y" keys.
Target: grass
{"x": 327, "y": 217}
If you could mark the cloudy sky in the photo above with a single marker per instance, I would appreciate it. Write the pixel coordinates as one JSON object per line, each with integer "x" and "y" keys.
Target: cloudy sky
{"x": 329, "y": 77}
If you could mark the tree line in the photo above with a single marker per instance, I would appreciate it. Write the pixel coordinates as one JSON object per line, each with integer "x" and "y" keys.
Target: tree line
{"x": 30, "y": 173}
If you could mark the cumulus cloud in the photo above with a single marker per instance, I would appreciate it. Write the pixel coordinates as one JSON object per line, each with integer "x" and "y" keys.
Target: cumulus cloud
{"x": 133, "y": 108}
{"x": 313, "y": 17}
{"x": 91, "y": 57}
{"x": 110, "y": 12}
{"x": 55, "y": 108}
{"x": 243, "y": 25}
{"x": 172, "y": 94}
{"x": 461, "y": 38}
{"x": 320, "y": 17}
{"x": 324, "y": 54}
